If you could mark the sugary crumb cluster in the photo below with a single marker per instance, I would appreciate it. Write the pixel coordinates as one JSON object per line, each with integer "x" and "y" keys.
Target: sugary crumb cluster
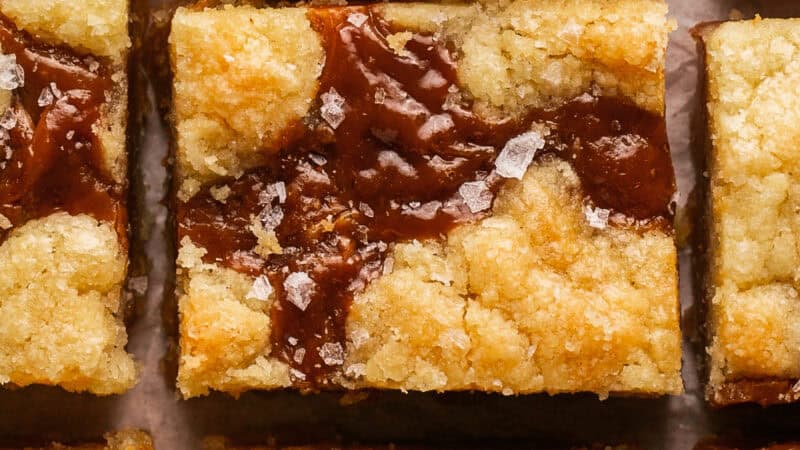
{"x": 540, "y": 297}
{"x": 753, "y": 68}
{"x": 60, "y": 313}
{"x": 60, "y": 282}
{"x": 242, "y": 76}
{"x": 98, "y": 27}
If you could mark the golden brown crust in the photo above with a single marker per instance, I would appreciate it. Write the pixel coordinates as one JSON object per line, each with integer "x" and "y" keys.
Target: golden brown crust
{"x": 754, "y": 196}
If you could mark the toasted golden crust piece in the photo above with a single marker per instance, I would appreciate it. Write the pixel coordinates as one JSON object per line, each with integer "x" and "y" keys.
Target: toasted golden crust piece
{"x": 752, "y": 75}
{"x": 531, "y": 299}
{"x": 97, "y": 27}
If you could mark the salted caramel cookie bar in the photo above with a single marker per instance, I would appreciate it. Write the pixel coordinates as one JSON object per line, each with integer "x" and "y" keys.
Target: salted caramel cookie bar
{"x": 752, "y": 225}
{"x": 425, "y": 197}
{"x": 63, "y": 224}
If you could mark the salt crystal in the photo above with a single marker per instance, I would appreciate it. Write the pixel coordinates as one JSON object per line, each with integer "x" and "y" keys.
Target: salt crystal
{"x": 292, "y": 340}
{"x": 597, "y": 217}
{"x": 70, "y": 135}
{"x": 271, "y": 217}
{"x": 299, "y": 355}
{"x": 436, "y": 124}
{"x": 332, "y": 108}
{"x": 46, "y": 98}
{"x": 476, "y": 195}
{"x": 56, "y": 91}
{"x": 94, "y": 65}
{"x": 5, "y": 223}
{"x": 531, "y": 351}
{"x": 586, "y": 98}
{"x": 356, "y": 370}
{"x": 366, "y": 209}
{"x": 299, "y": 287}
{"x": 8, "y": 121}
{"x": 297, "y": 374}
{"x": 380, "y": 96}
{"x": 359, "y": 337}
{"x": 279, "y": 190}
{"x": 388, "y": 265}
{"x": 317, "y": 159}
{"x": 357, "y": 19}
{"x": 517, "y": 154}
{"x": 11, "y": 74}
{"x": 507, "y": 392}
{"x": 332, "y": 353}
{"x": 261, "y": 289}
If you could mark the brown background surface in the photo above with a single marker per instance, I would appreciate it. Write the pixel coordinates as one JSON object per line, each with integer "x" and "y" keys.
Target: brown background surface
{"x": 39, "y": 413}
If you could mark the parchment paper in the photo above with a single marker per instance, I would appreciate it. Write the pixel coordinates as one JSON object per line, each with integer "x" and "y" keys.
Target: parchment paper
{"x": 39, "y": 413}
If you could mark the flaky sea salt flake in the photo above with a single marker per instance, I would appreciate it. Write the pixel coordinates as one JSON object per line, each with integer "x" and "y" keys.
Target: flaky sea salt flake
{"x": 299, "y": 355}
{"x": 597, "y": 217}
{"x": 278, "y": 190}
{"x": 388, "y": 265}
{"x": 356, "y": 370}
{"x": 357, "y": 19}
{"x": 476, "y": 195}
{"x": 299, "y": 288}
{"x": 332, "y": 109}
{"x": 332, "y": 353}
{"x": 5, "y": 224}
{"x": 271, "y": 217}
{"x": 55, "y": 90}
{"x": 46, "y": 98}
{"x": 317, "y": 159}
{"x": 261, "y": 289}
{"x": 517, "y": 154}
{"x": 12, "y": 75}
{"x": 380, "y": 96}
{"x": 366, "y": 209}
{"x": 8, "y": 121}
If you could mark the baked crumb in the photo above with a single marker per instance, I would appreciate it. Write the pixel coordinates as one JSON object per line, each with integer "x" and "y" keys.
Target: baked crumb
{"x": 64, "y": 327}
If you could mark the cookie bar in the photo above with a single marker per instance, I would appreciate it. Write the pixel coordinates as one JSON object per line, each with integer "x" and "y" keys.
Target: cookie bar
{"x": 425, "y": 197}
{"x": 63, "y": 224}
{"x": 221, "y": 443}
{"x": 121, "y": 440}
{"x": 753, "y": 196}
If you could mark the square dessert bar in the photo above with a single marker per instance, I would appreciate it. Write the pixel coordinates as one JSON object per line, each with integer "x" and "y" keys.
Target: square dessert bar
{"x": 63, "y": 224}
{"x": 753, "y": 231}
{"x": 425, "y": 197}
{"x": 121, "y": 440}
{"x": 222, "y": 443}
